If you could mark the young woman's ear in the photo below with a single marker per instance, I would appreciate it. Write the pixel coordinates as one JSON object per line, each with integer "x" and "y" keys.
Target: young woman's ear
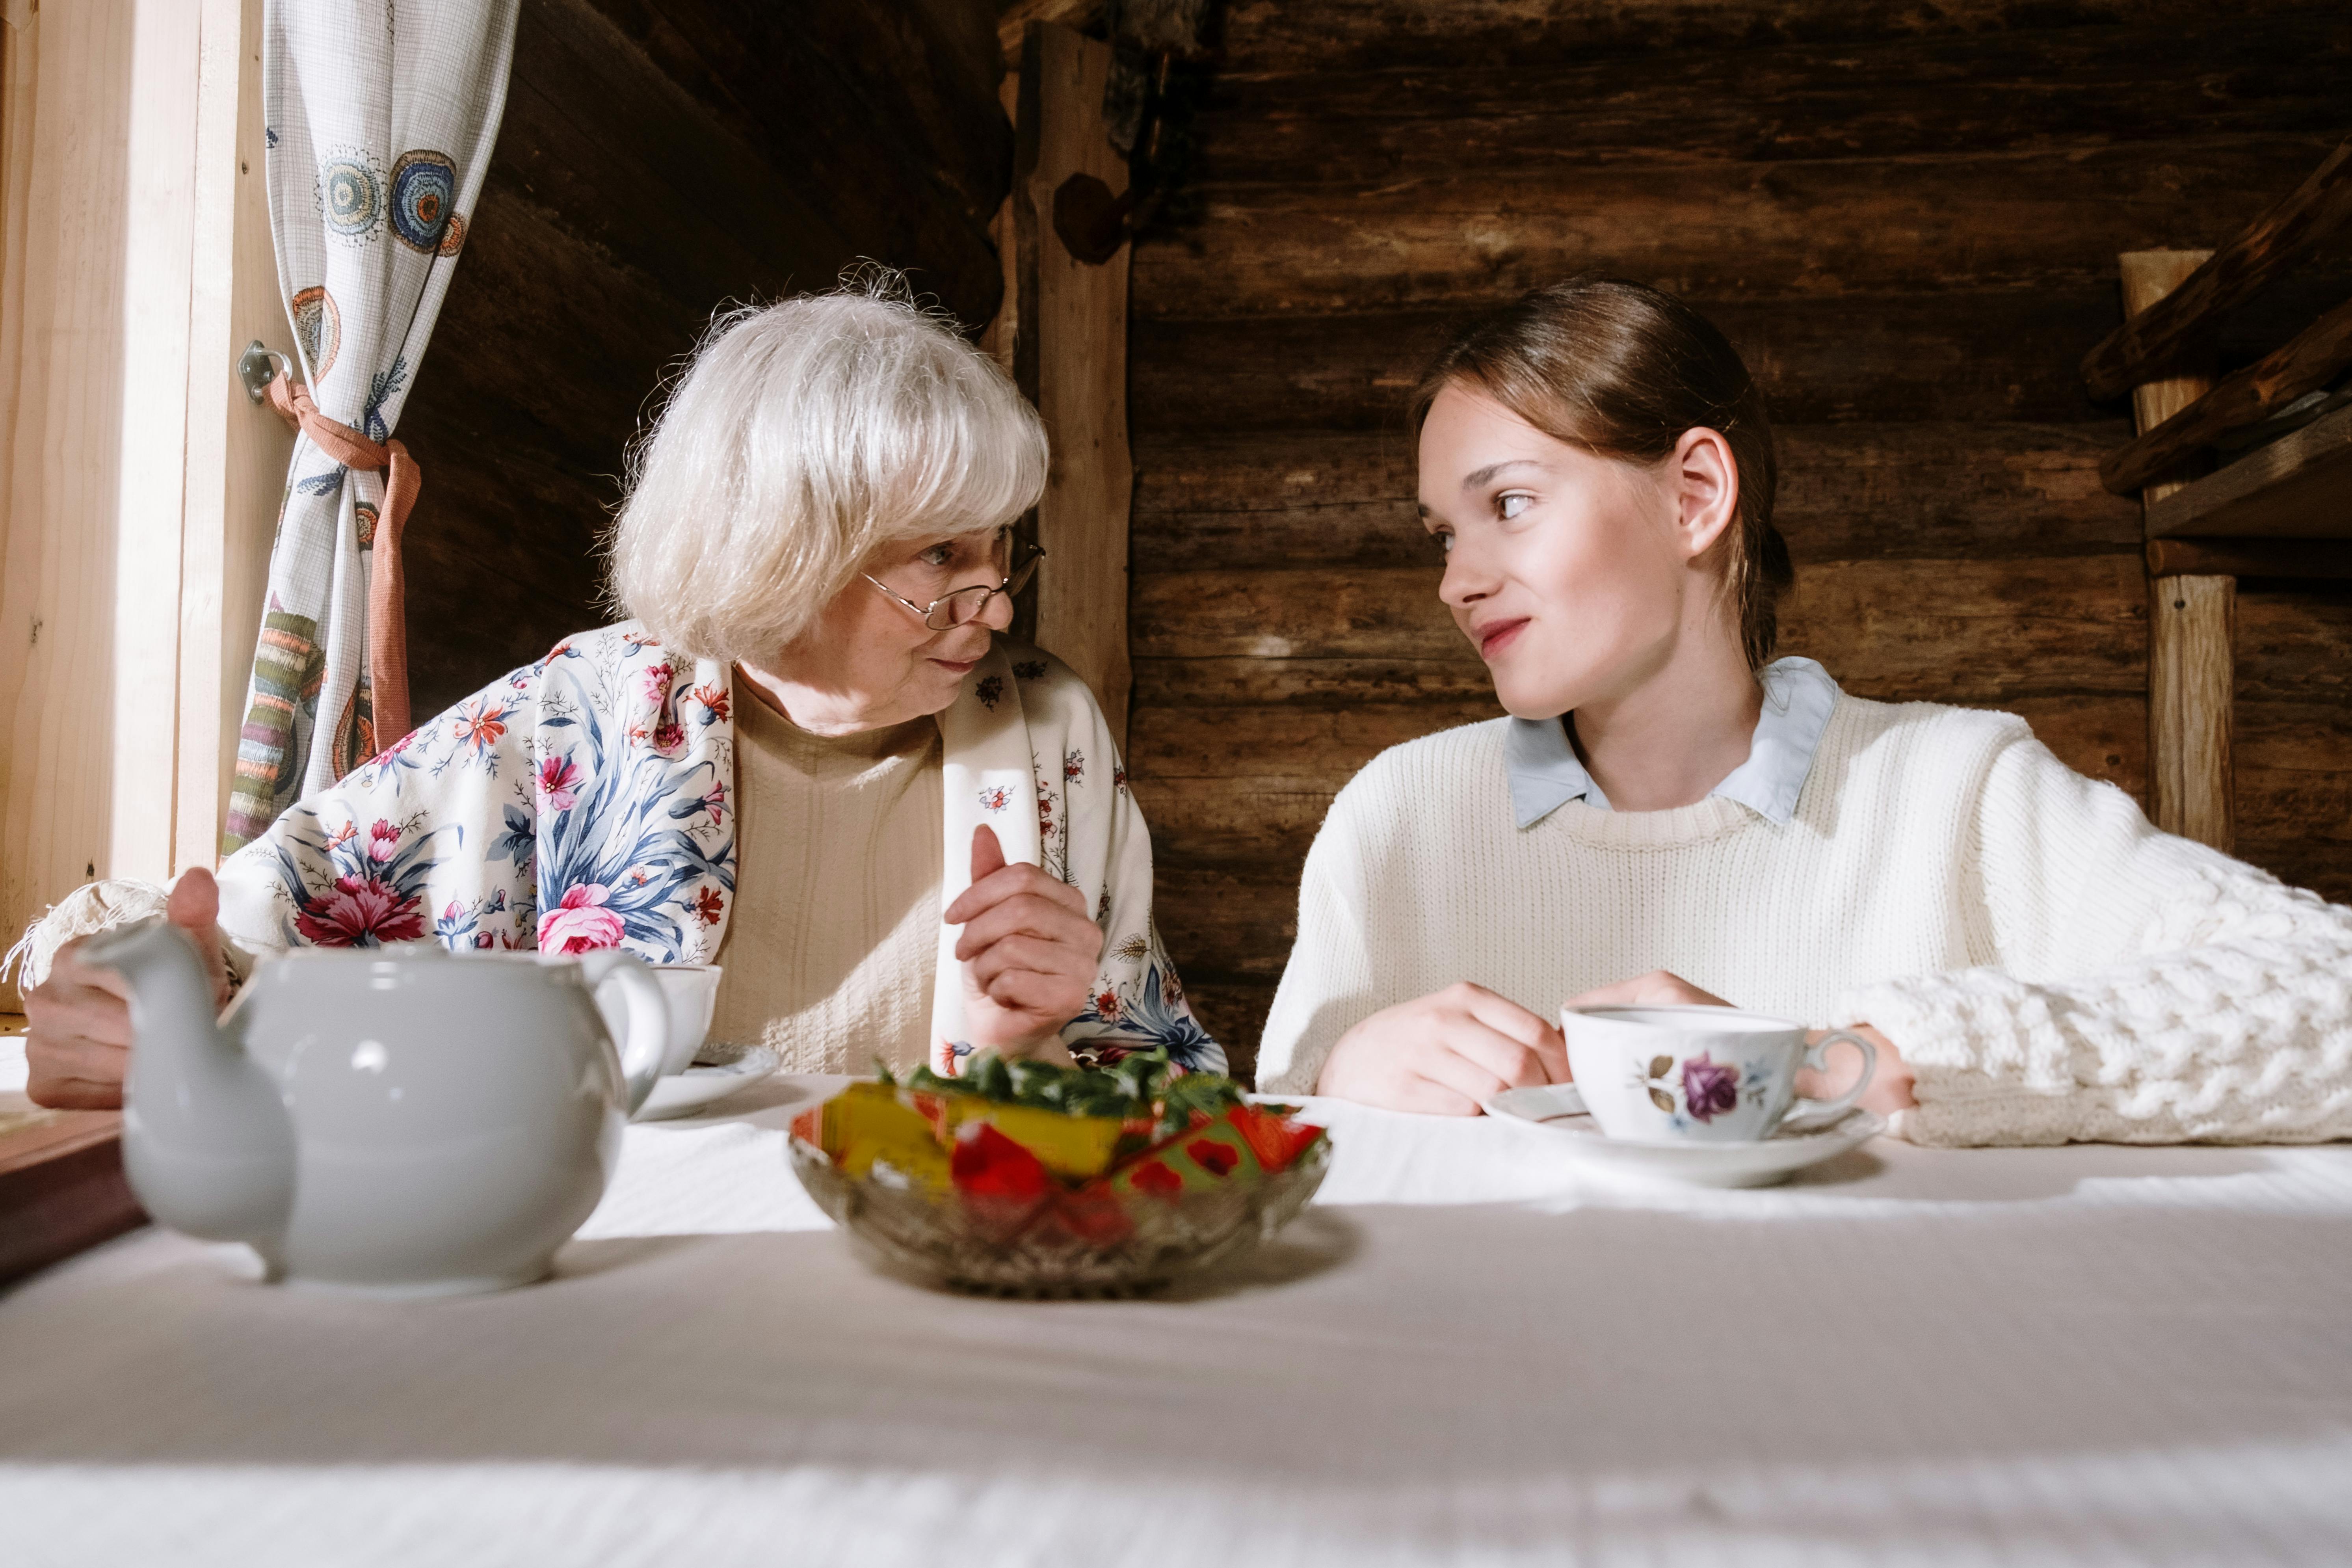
{"x": 1704, "y": 478}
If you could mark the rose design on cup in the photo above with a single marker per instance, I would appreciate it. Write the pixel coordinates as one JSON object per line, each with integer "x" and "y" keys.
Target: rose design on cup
{"x": 1710, "y": 1089}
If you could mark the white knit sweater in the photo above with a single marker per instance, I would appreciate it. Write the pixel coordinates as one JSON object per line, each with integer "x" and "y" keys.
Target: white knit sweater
{"x": 2053, "y": 968}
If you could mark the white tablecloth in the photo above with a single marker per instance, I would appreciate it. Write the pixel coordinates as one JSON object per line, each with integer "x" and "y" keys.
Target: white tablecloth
{"x": 1468, "y": 1353}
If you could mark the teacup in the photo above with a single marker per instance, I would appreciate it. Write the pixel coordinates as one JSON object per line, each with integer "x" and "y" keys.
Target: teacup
{"x": 692, "y": 992}
{"x": 1699, "y": 1075}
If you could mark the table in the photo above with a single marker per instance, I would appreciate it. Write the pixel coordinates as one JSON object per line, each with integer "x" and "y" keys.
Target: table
{"x": 1468, "y": 1353}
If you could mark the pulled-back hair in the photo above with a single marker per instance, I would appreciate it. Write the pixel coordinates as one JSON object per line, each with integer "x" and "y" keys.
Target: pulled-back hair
{"x": 1622, "y": 371}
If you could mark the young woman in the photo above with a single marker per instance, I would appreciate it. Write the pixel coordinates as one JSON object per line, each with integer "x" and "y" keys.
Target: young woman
{"x": 1670, "y": 816}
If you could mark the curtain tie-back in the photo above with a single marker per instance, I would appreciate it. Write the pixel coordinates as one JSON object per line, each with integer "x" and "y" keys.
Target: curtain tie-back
{"x": 387, "y": 653}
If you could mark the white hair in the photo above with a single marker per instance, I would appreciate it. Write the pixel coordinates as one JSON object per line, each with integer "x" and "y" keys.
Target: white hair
{"x": 803, "y": 437}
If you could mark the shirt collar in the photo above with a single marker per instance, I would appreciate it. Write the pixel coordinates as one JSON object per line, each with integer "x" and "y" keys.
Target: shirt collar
{"x": 1798, "y": 698}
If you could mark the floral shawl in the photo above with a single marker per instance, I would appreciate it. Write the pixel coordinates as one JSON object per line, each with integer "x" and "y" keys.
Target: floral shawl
{"x": 585, "y": 802}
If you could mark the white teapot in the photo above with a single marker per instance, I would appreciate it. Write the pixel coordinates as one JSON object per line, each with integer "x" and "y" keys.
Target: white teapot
{"x": 399, "y": 1122}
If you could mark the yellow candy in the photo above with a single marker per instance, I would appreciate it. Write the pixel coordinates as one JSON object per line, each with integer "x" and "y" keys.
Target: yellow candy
{"x": 1076, "y": 1147}
{"x": 868, "y": 1122}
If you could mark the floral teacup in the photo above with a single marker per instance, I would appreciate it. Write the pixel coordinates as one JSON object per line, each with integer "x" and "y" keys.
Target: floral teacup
{"x": 1699, "y": 1075}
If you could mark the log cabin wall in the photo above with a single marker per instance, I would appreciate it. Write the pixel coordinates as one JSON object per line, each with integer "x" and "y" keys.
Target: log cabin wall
{"x": 1907, "y": 220}
{"x": 659, "y": 159}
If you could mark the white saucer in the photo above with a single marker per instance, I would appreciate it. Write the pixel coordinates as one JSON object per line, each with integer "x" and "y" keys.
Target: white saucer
{"x": 1558, "y": 1112}
{"x": 718, "y": 1070}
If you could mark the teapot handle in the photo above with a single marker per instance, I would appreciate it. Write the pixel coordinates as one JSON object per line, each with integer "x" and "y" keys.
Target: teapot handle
{"x": 647, "y": 1039}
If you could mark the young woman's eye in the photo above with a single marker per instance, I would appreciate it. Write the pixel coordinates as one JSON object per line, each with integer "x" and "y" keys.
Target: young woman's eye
{"x": 1510, "y": 506}
{"x": 1444, "y": 542}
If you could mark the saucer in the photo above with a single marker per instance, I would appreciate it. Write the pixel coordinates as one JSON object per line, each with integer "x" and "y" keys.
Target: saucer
{"x": 1558, "y": 1110}
{"x": 719, "y": 1071}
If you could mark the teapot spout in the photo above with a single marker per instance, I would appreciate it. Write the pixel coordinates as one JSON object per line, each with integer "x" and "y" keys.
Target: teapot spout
{"x": 206, "y": 1140}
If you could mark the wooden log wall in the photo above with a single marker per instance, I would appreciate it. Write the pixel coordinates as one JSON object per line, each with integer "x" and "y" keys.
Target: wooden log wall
{"x": 1907, "y": 219}
{"x": 659, "y": 159}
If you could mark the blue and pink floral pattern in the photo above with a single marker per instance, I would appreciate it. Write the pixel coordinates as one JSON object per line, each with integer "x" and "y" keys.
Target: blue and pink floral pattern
{"x": 585, "y": 802}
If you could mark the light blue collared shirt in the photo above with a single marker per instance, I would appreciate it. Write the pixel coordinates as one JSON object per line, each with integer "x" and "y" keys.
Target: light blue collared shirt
{"x": 1798, "y": 697}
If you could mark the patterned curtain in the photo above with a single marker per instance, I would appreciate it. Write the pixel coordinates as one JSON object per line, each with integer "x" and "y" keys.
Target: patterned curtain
{"x": 379, "y": 117}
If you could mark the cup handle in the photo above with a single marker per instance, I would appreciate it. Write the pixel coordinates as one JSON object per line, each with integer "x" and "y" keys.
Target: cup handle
{"x": 1809, "y": 1114}
{"x": 646, "y": 1038}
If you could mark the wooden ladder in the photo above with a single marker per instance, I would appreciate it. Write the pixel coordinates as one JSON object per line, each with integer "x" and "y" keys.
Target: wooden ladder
{"x": 2284, "y": 509}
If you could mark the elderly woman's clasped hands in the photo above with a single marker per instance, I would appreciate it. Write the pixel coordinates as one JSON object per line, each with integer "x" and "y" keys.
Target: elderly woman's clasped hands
{"x": 1028, "y": 949}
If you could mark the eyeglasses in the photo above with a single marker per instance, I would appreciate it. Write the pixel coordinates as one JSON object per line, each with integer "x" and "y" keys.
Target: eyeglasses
{"x": 966, "y": 606}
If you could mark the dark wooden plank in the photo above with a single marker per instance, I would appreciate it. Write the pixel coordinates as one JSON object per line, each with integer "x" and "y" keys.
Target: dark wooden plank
{"x": 2298, "y": 487}
{"x": 1242, "y": 681}
{"x": 1270, "y": 793}
{"x": 1233, "y": 1012}
{"x": 61, "y": 1187}
{"x": 1946, "y": 357}
{"x": 2295, "y": 645}
{"x": 1341, "y": 35}
{"x": 2307, "y": 362}
{"x": 1719, "y": 231}
{"x": 1987, "y": 92}
{"x": 1227, "y": 924}
{"x": 1845, "y": 490}
{"x": 2157, "y": 339}
{"x": 2318, "y": 559}
{"x": 897, "y": 133}
{"x": 1284, "y": 746}
{"x": 1975, "y": 358}
{"x": 1966, "y": 631}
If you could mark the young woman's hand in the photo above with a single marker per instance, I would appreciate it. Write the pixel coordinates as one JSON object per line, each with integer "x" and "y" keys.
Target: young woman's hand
{"x": 1890, "y": 1084}
{"x": 1444, "y": 1054}
{"x": 1655, "y": 989}
{"x": 1029, "y": 952}
{"x": 77, "y": 1033}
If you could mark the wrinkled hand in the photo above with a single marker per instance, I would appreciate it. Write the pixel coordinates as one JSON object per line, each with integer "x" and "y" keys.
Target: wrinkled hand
{"x": 77, "y": 1040}
{"x": 1656, "y": 989}
{"x": 1444, "y": 1054}
{"x": 1028, "y": 949}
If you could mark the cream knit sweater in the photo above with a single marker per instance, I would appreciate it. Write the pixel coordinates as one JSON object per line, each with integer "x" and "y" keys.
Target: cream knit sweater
{"x": 2052, "y": 967}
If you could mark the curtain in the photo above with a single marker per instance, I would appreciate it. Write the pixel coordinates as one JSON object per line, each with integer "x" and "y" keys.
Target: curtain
{"x": 380, "y": 116}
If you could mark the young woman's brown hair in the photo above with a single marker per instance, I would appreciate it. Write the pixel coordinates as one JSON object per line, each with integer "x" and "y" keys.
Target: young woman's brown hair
{"x": 1622, "y": 370}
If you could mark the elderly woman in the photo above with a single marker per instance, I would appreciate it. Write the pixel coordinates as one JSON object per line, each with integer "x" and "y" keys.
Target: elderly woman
{"x": 812, "y": 756}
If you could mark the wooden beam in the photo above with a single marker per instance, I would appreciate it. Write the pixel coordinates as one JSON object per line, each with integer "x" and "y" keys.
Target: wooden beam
{"x": 1072, "y": 349}
{"x": 1894, "y": 358}
{"x": 2155, "y": 340}
{"x": 1426, "y": 33}
{"x": 2311, "y": 360}
{"x": 238, "y": 449}
{"x": 2190, "y": 621}
{"x": 1936, "y": 630}
{"x": 97, "y": 287}
{"x": 2298, "y": 487}
{"x": 1981, "y": 92}
{"x": 2191, "y": 672}
{"x": 1848, "y": 490}
{"x": 1711, "y": 230}
{"x": 2315, "y": 559}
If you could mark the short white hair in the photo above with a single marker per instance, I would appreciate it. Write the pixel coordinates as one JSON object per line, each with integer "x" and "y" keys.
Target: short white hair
{"x": 803, "y": 437}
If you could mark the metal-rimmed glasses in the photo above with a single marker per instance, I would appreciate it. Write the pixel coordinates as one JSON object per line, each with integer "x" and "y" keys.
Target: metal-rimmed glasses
{"x": 966, "y": 606}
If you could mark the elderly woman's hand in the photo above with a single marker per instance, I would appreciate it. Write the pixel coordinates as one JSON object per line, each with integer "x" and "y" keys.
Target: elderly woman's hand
{"x": 77, "y": 1033}
{"x": 1028, "y": 949}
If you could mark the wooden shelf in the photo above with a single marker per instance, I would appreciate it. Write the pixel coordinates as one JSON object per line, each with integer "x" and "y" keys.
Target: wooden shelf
{"x": 2298, "y": 487}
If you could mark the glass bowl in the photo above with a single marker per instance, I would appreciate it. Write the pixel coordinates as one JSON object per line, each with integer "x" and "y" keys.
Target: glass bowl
{"x": 942, "y": 1237}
